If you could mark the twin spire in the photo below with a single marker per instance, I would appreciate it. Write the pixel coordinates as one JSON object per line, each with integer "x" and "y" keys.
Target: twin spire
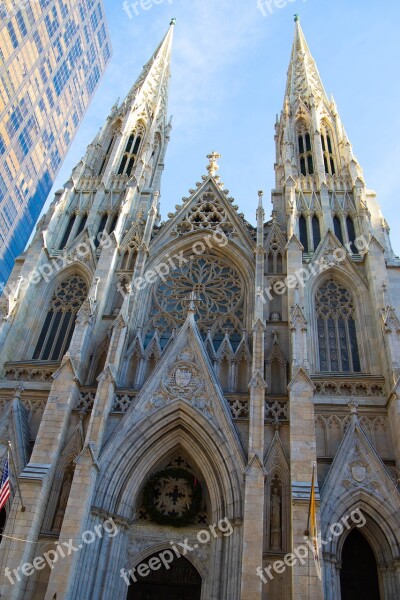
{"x": 303, "y": 80}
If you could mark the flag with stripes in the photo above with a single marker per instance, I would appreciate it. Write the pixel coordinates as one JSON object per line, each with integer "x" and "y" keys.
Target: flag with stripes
{"x": 313, "y": 526}
{"x": 5, "y": 485}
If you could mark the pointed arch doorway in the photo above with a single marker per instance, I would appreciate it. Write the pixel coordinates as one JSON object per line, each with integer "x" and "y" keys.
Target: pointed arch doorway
{"x": 359, "y": 572}
{"x": 180, "y": 582}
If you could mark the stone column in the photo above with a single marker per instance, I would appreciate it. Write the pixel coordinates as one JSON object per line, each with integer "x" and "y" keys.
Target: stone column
{"x": 36, "y": 479}
{"x": 305, "y": 582}
{"x": 77, "y": 515}
{"x": 253, "y": 518}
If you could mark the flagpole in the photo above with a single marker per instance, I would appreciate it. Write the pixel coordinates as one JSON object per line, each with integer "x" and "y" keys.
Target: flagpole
{"x": 307, "y": 531}
{"x": 23, "y": 508}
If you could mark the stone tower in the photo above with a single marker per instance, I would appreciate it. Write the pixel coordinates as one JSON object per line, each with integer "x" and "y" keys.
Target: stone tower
{"x": 179, "y": 380}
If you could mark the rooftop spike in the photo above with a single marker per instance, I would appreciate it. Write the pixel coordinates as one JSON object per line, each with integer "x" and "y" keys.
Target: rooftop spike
{"x": 153, "y": 80}
{"x": 303, "y": 80}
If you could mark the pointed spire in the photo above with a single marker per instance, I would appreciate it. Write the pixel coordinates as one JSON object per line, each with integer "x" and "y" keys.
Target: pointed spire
{"x": 303, "y": 80}
{"x": 153, "y": 80}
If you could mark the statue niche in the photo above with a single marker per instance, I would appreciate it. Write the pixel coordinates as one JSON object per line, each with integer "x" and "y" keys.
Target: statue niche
{"x": 276, "y": 514}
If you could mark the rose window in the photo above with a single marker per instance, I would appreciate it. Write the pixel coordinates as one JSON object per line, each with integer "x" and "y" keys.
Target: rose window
{"x": 219, "y": 294}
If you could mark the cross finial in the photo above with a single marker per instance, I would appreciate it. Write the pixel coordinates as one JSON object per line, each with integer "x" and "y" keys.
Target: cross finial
{"x": 353, "y": 405}
{"x": 296, "y": 18}
{"x": 212, "y": 168}
{"x": 173, "y": 21}
{"x": 192, "y": 301}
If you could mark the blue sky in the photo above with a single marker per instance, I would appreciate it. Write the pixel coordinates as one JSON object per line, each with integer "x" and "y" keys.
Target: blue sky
{"x": 228, "y": 78}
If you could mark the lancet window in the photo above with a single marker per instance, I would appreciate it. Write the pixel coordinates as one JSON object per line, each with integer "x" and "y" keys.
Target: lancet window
{"x": 336, "y": 325}
{"x": 59, "y": 324}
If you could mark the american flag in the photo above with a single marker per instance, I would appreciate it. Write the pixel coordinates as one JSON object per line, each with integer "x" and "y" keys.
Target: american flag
{"x": 5, "y": 486}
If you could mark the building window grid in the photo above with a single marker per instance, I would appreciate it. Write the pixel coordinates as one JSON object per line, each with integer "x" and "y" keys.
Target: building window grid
{"x": 40, "y": 40}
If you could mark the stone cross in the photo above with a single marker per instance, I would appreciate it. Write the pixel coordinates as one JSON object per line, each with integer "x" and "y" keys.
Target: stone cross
{"x": 213, "y": 167}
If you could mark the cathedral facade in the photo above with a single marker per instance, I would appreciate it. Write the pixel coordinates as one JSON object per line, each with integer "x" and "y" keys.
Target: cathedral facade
{"x": 172, "y": 389}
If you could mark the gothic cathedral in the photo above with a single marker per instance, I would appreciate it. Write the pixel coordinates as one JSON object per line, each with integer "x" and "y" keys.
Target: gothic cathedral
{"x": 172, "y": 389}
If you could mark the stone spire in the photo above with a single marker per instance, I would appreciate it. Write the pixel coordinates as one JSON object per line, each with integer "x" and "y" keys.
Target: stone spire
{"x": 303, "y": 80}
{"x": 152, "y": 84}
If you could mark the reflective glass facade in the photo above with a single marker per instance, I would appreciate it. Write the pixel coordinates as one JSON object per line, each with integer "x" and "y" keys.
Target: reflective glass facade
{"x": 52, "y": 56}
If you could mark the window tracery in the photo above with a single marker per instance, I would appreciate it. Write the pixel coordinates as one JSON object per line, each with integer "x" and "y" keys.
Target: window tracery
{"x": 219, "y": 305}
{"x": 131, "y": 152}
{"x": 337, "y": 339}
{"x": 58, "y": 327}
{"x": 305, "y": 150}
{"x": 327, "y": 149}
{"x": 208, "y": 213}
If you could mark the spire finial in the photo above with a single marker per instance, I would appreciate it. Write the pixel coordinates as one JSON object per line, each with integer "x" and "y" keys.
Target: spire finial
{"x": 296, "y": 18}
{"x": 173, "y": 21}
{"x": 212, "y": 168}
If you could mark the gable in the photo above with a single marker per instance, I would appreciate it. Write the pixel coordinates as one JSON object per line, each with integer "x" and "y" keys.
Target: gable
{"x": 208, "y": 209}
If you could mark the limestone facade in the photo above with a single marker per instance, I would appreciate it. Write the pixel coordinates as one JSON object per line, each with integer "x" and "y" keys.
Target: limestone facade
{"x": 232, "y": 356}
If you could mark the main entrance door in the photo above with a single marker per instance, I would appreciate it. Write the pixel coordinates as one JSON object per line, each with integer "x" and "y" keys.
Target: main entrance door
{"x": 180, "y": 582}
{"x": 359, "y": 573}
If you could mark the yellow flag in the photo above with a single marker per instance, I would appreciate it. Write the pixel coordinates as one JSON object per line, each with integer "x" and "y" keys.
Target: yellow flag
{"x": 313, "y": 526}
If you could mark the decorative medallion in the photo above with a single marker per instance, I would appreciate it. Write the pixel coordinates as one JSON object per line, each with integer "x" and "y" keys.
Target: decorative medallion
{"x": 359, "y": 471}
{"x": 183, "y": 377}
{"x": 173, "y": 497}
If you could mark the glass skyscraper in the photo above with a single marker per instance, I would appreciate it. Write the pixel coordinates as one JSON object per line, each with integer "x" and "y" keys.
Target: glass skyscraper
{"x": 52, "y": 56}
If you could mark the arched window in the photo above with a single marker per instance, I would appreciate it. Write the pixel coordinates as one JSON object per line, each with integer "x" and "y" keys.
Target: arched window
{"x": 305, "y": 151}
{"x": 327, "y": 149}
{"x": 67, "y": 231}
{"x": 338, "y": 228}
{"x": 113, "y": 223}
{"x": 107, "y": 156}
{"x": 82, "y": 224}
{"x": 101, "y": 228}
{"x": 352, "y": 234}
{"x": 303, "y": 233}
{"x": 316, "y": 230}
{"x": 59, "y": 324}
{"x": 337, "y": 339}
{"x": 131, "y": 151}
{"x": 275, "y": 258}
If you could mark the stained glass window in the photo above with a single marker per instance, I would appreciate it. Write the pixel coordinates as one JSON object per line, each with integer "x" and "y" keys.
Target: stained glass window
{"x": 337, "y": 339}
{"x": 59, "y": 323}
{"x": 219, "y": 304}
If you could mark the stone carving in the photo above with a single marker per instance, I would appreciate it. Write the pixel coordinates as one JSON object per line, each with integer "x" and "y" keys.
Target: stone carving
{"x": 183, "y": 377}
{"x": 358, "y": 473}
{"x": 276, "y": 519}
{"x": 22, "y": 372}
{"x": 350, "y": 386}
